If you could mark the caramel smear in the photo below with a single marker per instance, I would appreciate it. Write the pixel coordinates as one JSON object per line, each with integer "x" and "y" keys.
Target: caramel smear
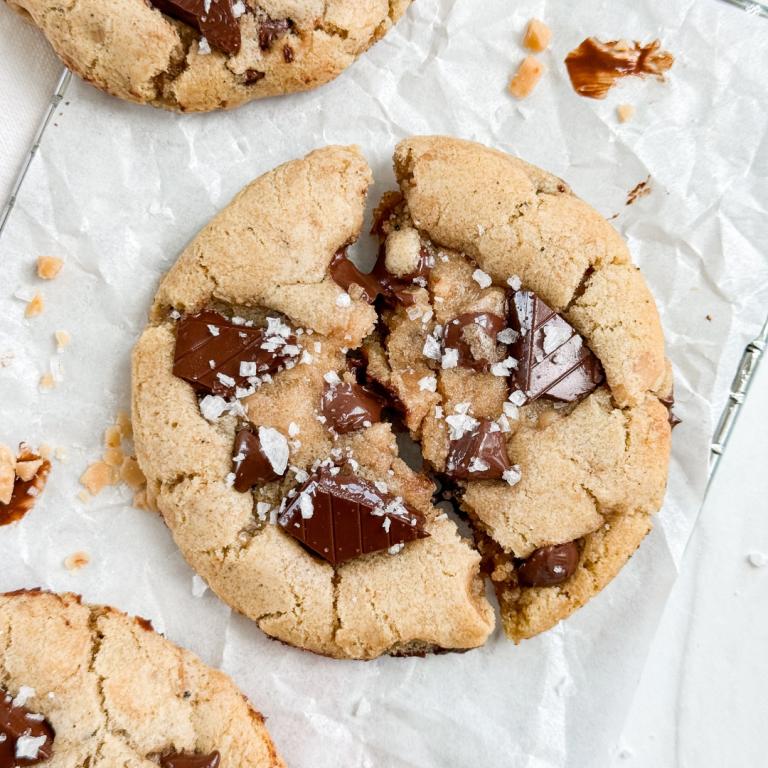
{"x": 30, "y": 473}
{"x": 595, "y": 67}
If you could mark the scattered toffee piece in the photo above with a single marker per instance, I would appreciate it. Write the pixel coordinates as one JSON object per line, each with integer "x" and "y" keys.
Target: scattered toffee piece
{"x": 191, "y": 760}
{"x": 344, "y": 516}
{"x": 478, "y": 455}
{"x": 595, "y": 67}
{"x": 669, "y": 402}
{"x": 553, "y": 360}
{"x": 255, "y": 467}
{"x": 17, "y": 723}
{"x": 197, "y": 347}
{"x": 549, "y": 565}
{"x": 25, "y": 494}
{"x": 270, "y": 30}
{"x": 453, "y": 337}
{"x": 217, "y": 24}
{"x": 348, "y": 406}
{"x": 379, "y": 282}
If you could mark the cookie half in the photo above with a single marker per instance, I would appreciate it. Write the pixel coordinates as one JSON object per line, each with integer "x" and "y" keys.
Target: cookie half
{"x": 87, "y": 685}
{"x": 275, "y": 469}
{"x": 201, "y": 55}
{"x": 528, "y": 360}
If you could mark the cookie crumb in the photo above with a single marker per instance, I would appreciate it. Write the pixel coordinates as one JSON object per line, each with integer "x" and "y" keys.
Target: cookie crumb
{"x": 26, "y": 470}
{"x": 114, "y": 457}
{"x": 61, "y": 455}
{"x": 48, "y": 267}
{"x": 537, "y": 36}
{"x": 76, "y": 562}
{"x": 131, "y": 474}
{"x": 625, "y": 112}
{"x": 7, "y": 473}
{"x": 62, "y": 339}
{"x": 36, "y": 306}
{"x": 113, "y": 437}
{"x": 84, "y": 496}
{"x": 97, "y": 477}
{"x": 527, "y": 76}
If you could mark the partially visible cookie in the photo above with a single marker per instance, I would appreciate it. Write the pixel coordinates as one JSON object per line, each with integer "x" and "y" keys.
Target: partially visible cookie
{"x": 87, "y": 685}
{"x": 201, "y": 55}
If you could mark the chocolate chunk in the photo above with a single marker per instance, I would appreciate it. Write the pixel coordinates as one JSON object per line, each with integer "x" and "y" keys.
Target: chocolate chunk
{"x": 454, "y": 337}
{"x": 254, "y": 467}
{"x": 217, "y": 24}
{"x": 25, "y": 493}
{"x": 288, "y": 54}
{"x": 191, "y": 760}
{"x": 208, "y": 338}
{"x": 479, "y": 455}
{"x": 553, "y": 360}
{"x": 251, "y": 76}
{"x": 347, "y": 407}
{"x": 344, "y": 516}
{"x": 669, "y": 402}
{"x": 549, "y": 565}
{"x": 23, "y": 733}
{"x": 270, "y": 30}
{"x": 379, "y": 282}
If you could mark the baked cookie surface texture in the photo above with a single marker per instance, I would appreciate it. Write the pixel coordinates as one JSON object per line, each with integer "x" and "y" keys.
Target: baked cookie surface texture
{"x": 272, "y": 465}
{"x": 201, "y": 55}
{"x": 503, "y": 325}
{"x": 87, "y": 685}
{"x": 530, "y": 366}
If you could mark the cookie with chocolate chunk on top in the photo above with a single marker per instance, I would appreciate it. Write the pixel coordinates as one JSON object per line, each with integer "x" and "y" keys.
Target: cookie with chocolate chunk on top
{"x": 270, "y": 456}
{"x": 85, "y": 684}
{"x": 546, "y": 414}
{"x": 203, "y": 55}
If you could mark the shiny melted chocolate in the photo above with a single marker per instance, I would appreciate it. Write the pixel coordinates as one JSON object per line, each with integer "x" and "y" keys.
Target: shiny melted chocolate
{"x": 254, "y": 468}
{"x": 202, "y": 356}
{"x": 479, "y": 455}
{"x": 25, "y": 494}
{"x": 349, "y": 407}
{"x": 553, "y": 360}
{"x": 453, "y": 337}
{"x": 19, "y": 727}
{"x": 191, "y": 760}
{"x": 379, "y": 282}
{"x": 549, "y": 565}
{"x": 595, "y": 67}
{"x": 347, "y": 517}
{"x": 218, "y": 24}
{"x": 669, "y": 402}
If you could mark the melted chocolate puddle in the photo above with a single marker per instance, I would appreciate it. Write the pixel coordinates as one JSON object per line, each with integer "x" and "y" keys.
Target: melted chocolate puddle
{"x": 595, "y": 67}
{"x": 22, "y": 500}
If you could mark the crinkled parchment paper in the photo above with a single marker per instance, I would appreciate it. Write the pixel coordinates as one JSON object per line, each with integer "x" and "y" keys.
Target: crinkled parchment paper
{"x": 119, "y": 190}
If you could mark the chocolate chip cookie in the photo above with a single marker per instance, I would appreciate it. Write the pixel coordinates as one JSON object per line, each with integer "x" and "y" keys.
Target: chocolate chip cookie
{"x": 201, "y": 55}
{"x": 523, "y": 350}
{"x": 87, "y": 685}
{"x": 272, "y": 461}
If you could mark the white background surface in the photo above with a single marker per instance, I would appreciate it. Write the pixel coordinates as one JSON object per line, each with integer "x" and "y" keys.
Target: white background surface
{"x": 701, "y": 700}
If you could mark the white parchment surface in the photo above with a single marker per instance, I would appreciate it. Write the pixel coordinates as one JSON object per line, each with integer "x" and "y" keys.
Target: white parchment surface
{"x": 118, "y": 190}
